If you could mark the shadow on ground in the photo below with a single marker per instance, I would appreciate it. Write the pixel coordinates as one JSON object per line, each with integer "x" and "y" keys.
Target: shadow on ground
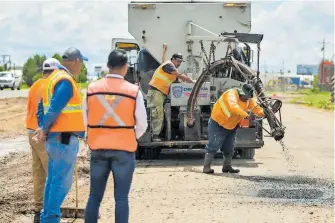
{"x": 187, "y": 158}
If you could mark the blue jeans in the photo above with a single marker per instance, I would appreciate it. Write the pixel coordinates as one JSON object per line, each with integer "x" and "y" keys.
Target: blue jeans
{"x": 220, "y": 138}
{"x": 61, "y": 163}
{"x": 122, "y": 165}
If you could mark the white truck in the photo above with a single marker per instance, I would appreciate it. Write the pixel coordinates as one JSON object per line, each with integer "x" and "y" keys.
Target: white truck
{"x": 209, "y": 35}
{"x": 9, "y": 79}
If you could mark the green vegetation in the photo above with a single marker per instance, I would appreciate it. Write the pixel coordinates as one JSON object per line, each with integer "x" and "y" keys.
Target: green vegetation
{"x": 32, "y": 69}
{"x": 314, "y": 98}
{"x": 83, "y": 85}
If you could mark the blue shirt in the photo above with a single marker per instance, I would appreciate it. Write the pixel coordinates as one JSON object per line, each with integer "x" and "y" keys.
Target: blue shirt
{"x": 62, "y": 95}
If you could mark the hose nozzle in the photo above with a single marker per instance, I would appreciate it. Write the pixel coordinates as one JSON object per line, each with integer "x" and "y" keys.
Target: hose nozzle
{"x": 278, "y": 134}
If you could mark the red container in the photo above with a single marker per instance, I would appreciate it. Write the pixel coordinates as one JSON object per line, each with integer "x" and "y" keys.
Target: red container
{"x": 244, "y": 123}
{"x": 326, "y": 71}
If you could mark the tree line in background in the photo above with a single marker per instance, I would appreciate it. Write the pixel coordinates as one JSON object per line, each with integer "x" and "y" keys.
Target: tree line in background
{"x": 32, "y": 69}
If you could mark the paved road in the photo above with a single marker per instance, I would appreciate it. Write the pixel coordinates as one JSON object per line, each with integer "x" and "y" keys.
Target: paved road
{"x": 13, "y": 94}
{"x": 291, "y": 186}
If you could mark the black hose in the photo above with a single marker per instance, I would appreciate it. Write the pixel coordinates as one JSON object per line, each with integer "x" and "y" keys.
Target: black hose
{"x": 277, "y": 131}
{"x": 195, "y": 91}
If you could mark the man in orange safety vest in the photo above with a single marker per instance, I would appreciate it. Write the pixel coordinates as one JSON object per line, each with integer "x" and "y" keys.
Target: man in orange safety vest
{"x": 227, "y": 112}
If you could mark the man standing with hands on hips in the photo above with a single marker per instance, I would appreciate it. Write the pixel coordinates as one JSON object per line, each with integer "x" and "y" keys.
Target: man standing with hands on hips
{"x": 62, "y": 125}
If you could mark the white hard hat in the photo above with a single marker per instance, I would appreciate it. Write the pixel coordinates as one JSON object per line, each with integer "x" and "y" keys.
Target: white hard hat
{"x": 50, "y": 64}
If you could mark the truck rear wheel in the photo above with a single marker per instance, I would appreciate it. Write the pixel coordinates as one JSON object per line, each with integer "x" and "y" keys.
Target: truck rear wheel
{"x": 247, "y": 153}
{"x": 151, "y": 153}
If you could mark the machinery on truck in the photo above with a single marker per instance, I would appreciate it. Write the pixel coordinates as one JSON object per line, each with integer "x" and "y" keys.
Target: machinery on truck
{"x": 214, "y": 39}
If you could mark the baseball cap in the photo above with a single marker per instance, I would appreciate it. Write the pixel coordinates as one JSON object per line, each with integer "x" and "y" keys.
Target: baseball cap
{"x": 178, "y": 56}
{"x": 50, "y": 64}
{"x": 73, "y": 54}
{"x": 247, "y": 91}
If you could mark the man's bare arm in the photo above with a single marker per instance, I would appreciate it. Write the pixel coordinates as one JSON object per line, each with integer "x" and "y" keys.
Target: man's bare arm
{"x": 182, "y": 77}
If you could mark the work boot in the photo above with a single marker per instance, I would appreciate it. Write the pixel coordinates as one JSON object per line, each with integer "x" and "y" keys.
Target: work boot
{"x": 37, "y": 217}
{"x": 227, "y": 168}
{"x": 156, "y": 138}
{"x": 207, "y": 163}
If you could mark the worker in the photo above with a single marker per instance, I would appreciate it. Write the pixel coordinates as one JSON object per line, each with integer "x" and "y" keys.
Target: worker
{"x": 159, "y": 88}
{"x": 228, "y": 111}
{"x": 62, "y": 125}
{"x": 39, "y": 155}
{"x": 116, "y": 117}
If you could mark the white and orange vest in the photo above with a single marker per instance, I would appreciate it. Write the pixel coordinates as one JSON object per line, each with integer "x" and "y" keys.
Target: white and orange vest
{"x": 162, "y": 80}
{"x": 111, "y": 104}
{"x": 71, "y": 117}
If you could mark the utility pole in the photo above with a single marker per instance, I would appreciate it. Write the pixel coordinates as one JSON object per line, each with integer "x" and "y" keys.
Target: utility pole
{"x": 265, "y": 72}
{"x": 5, "y": 61}
{"x": 282, "y": 74}
{"x": 323, "y": 49}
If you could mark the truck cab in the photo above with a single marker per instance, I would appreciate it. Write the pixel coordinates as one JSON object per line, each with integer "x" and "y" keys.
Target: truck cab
{"x": 132, "y": 48}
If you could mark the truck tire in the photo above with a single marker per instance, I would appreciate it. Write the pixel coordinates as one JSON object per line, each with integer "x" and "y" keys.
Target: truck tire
{"x": 138, "y": 153}
{"x": 247, "y": 153}
{"x": 151, "y": 153}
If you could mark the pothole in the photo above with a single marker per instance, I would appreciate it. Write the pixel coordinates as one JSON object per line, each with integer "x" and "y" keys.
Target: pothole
{"x": 290, "y": 193}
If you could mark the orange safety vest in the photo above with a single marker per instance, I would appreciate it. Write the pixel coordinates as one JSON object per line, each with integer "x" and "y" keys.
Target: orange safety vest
{"x": 162, "y": 80}
{"x": 71, "y": 117}
{"x": 229, "y": 110}
{"x": 111, "y": 104}
{"x": 34, "y": 96}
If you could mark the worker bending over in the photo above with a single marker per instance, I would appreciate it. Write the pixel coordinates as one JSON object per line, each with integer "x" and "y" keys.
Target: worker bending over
{"x": 39, "y": 155}
{"x": 62, "y": 124}
{"x": 227, "y": 112}
{"x": 159, "y": 88}
{"x": 116, "y": 117}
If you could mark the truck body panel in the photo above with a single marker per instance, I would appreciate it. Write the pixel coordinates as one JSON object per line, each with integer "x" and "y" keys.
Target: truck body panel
{"x": 169, "y": 23}
{"x": 189, "y": 28}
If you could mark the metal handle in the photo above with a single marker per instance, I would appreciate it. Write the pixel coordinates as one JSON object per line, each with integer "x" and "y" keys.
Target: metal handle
{"x": 76, "y": 178}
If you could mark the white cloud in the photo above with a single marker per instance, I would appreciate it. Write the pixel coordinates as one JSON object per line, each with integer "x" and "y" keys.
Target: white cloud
{"x": 291, "y": 29}
{"x": 292, "y": 32}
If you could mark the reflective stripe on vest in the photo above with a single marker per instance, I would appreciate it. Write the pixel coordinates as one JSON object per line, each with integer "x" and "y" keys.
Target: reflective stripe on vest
{"x": 162, "y": 77}
{"x": 224, "y": 108}
{"x": 69, "y": 108}
{"x": 111, "y": 104}
{"x": 110, "y": 113}
{"x": 162, "y": 80}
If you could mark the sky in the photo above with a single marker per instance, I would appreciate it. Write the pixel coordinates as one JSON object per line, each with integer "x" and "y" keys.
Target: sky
{"x": 293, "y": 30}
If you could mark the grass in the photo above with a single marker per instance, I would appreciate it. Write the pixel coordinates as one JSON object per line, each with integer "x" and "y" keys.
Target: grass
{"x": 83, "y": 85}
{"x": 24, "y": 86}
{"x": 314, "y": 99}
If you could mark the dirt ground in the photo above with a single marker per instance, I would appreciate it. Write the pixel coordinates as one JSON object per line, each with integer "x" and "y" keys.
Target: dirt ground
{"x": 12, "y": 117}
{"x": 291, "y": 185}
